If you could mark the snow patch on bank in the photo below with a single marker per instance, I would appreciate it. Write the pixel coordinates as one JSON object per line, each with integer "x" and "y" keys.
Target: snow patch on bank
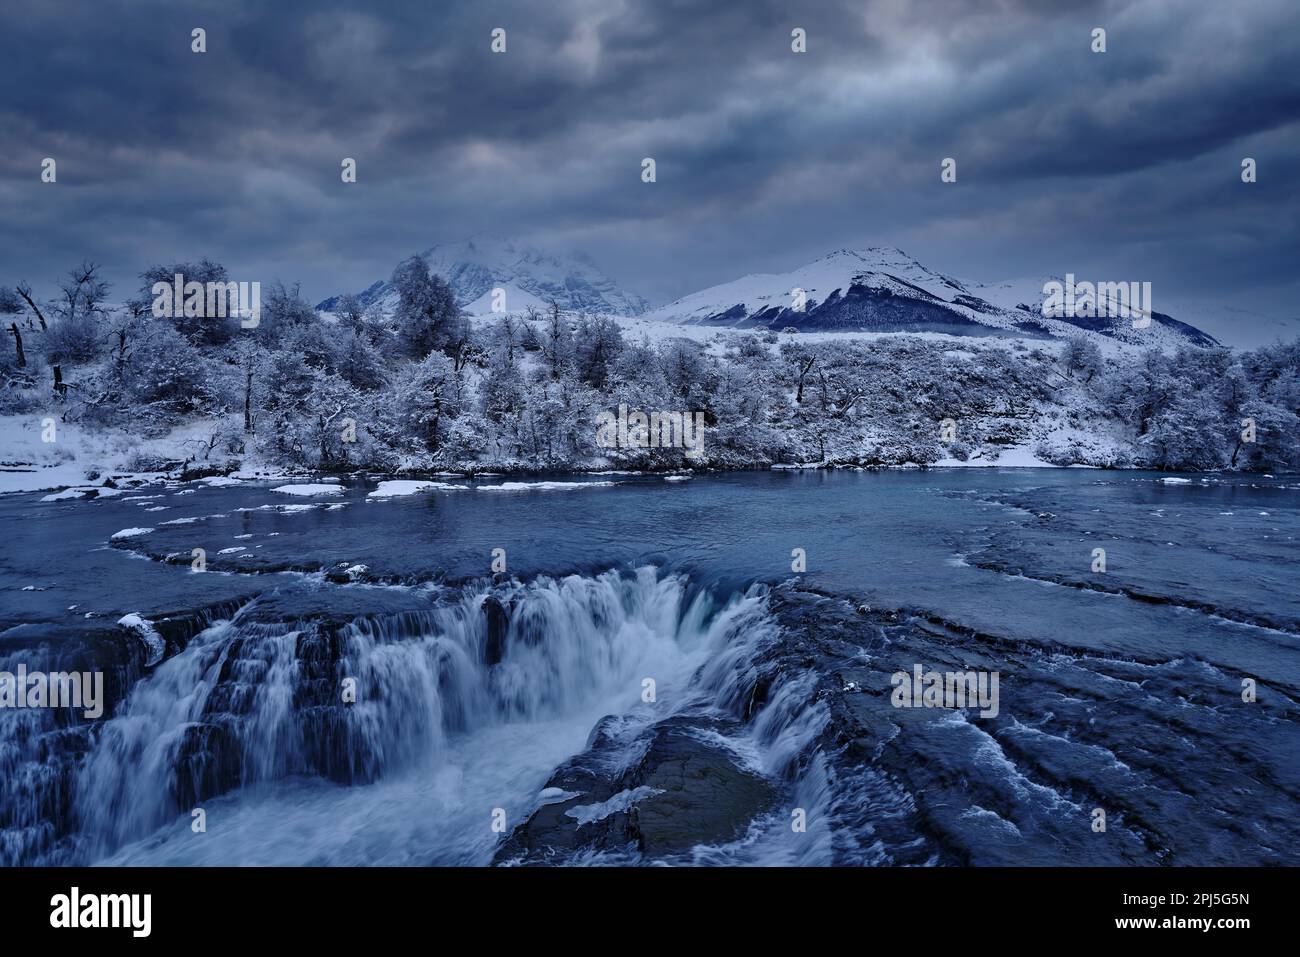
{"x": 81, "y": 492}
{"x": 541, "y": 486}
{"x": 129, "y": 533}
{"x": 311, "y": 488}
{"x": 399, "y": 487}
{"x": 1015, "y": 457}
{"x": 145, "y": 631}
{"x": 587, "y": 813}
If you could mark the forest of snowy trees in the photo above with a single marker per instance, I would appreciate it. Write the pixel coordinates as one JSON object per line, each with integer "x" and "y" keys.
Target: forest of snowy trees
{"x": 423, "y": 388}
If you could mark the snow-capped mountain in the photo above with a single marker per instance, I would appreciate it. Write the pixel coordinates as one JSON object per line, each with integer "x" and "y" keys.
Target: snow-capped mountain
{"x": 529, "y": 277}
{"x": 882, "y": 289}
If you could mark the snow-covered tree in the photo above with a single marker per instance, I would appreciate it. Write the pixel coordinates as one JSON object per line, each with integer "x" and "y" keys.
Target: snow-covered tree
{"x": 428, "y": 318}
{"x": 1187, "y": 433}
{"x": 1081, "y": 358}
{"x": 284, "y": 314}
{"x": 208, "y": 330}
{"x": 75, "y": 335}
{"x": 351, "y": 314}
{"x": 358, "y": 361}
{"x": 685, "y": 370}
{"x": 558, "y": 348}
{"x": 599, "y": 344}
{"x": 424, "y": 401}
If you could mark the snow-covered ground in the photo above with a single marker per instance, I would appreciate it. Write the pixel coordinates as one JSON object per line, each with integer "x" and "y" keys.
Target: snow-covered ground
{"x": 81, "y": 458}
{"x": 717, "y": 339}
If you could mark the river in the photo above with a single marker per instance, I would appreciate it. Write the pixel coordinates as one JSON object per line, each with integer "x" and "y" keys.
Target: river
{"x": 686, "y": 670}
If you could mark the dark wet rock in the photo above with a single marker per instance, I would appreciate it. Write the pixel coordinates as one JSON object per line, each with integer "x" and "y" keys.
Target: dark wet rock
{"x": 39, "y": 764}
{"x": 498, "y": 627}
{"x": 1185, "y": 772}
{"x": 680, "y": 792}
{"x": 207, "y": 764}
{"x": 757, "y": 696}
{"x": 337, "y": 606}
{"x": 178, "y": 628}
{"x": 1073, "y": 733}
{"x": 190, "y": 471}
{"x": 320, "y": 740}
{"x": 698, "y": 793}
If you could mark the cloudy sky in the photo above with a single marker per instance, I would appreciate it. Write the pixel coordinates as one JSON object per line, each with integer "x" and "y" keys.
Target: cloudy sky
{"x": 1118, "y": 166}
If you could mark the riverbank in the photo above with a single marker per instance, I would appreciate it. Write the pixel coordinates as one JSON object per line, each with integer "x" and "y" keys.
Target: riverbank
{"x": 103, "y": 477}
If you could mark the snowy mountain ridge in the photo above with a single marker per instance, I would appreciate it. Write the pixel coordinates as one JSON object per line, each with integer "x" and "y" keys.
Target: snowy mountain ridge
{"x": 882, "y": 289}
{"x": 475, "y": 267}
{"x": 871, "y": 289}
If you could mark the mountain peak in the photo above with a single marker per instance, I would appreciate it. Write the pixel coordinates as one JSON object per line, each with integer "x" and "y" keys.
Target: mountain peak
{"x": 870, "y": 254}
{"x": 474, "y": 266}
{"x": 883, "y": 289}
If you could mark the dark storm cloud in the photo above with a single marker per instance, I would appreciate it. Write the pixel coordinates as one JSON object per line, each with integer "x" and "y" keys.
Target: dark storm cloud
{"x": 1124, "y": 163}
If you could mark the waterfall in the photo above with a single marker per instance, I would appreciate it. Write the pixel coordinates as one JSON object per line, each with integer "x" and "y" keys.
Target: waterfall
{"x": 251, "y": 704}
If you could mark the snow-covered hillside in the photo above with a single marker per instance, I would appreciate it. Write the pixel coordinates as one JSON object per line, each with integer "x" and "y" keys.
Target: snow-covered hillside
{"x": 883, "y": 289}
{"x": 530, "y": 277}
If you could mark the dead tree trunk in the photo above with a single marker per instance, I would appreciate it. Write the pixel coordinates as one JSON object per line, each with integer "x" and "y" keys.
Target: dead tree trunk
{"x": 25, "y": 291}
{"x": 60, "y": 386}
{"x": 324, "y": 444}
{"x": 802, "y": 374}
{"x": 18, "y": 344}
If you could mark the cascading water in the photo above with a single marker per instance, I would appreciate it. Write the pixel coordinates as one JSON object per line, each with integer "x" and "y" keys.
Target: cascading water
{"x": 451, "y": 724}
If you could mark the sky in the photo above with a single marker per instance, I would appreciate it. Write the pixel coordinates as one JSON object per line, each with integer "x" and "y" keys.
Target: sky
{"x": 1123, "y": 165}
